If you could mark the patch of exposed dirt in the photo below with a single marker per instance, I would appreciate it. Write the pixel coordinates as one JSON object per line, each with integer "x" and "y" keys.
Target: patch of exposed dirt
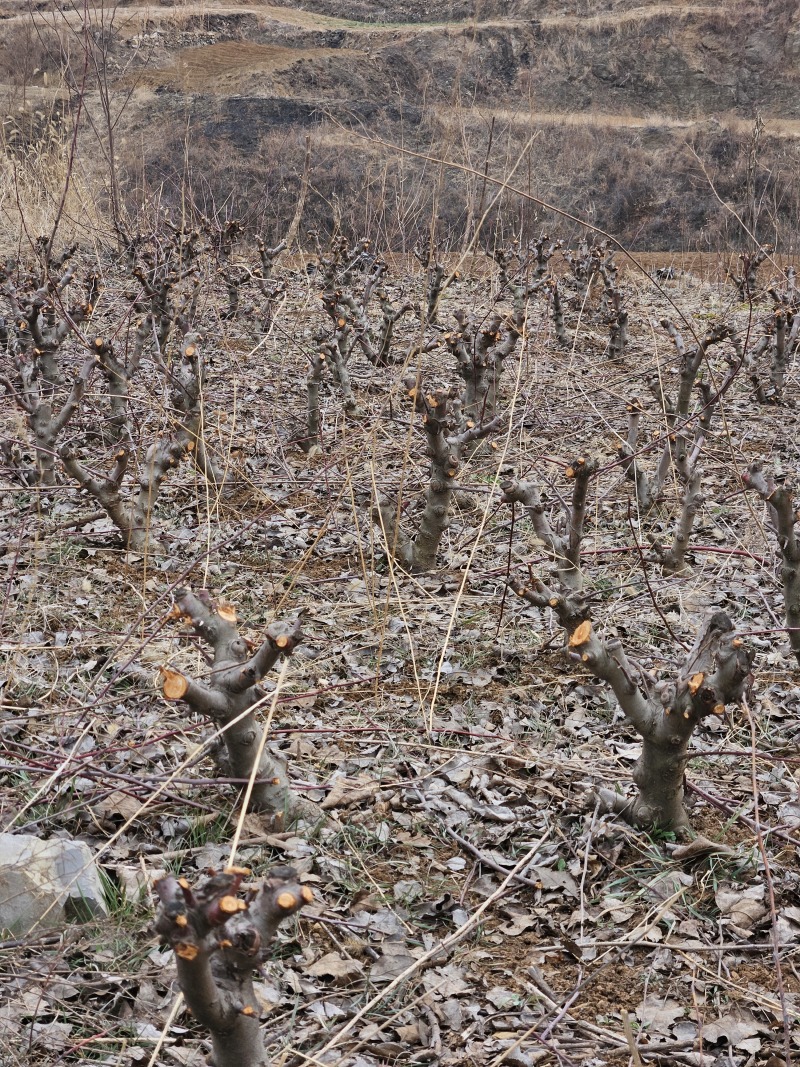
{"x": 228, "y": 66}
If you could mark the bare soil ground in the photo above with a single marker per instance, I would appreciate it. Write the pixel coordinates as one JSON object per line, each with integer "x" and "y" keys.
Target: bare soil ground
{"x": 221, "y": 67}
{"x": 436, "y": 718}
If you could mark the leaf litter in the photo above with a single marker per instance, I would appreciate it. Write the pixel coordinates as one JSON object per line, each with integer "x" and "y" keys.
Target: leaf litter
{"x": 426, "y": 809}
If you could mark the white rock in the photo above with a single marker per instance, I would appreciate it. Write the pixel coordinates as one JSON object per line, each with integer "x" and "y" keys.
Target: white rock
{"x": 46, "y": 884}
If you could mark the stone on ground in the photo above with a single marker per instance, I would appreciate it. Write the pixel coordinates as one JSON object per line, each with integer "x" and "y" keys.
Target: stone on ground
{"x": 45, "y": 885}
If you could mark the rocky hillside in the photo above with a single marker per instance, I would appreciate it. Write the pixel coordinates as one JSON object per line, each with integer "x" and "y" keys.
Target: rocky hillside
{"x": 622, "y": 116}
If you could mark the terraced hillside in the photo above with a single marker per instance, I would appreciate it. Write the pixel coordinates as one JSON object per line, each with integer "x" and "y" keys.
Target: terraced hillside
{"x": 612, "y": 114}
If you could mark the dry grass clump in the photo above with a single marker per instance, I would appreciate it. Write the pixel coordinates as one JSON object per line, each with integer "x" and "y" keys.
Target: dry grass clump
{"x": 40, "y": 183}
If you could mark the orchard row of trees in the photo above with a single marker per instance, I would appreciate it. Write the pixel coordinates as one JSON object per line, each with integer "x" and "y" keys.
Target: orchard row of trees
{"x": 115, "y": 364}
{"x": 107, "y": 364}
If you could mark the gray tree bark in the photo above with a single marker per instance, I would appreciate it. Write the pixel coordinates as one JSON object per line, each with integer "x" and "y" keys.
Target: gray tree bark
{"x": 780, "y": 502}
{"x": 232, "y": 690}
{"x": 673, "y": 559}
{"x": 219, "y": 940}
{"x": 448, "y": 433}
{"x": 481, "y": 352}
{"x": 33, "y": 336}
{"x": 664, "y": 714}
{"x": 565, "y": 552}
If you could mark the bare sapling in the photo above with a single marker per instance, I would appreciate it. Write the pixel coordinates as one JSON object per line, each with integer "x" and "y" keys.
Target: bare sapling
{"x": 685, "y": 430}
{"x": 780, "y": 503}
{"x": 580, "y": 263}
{"x": 220, "y": 938}
{"x": 592, "y": 268}
{"x": 665, "y": 713}
{"x": 780, "y": 340}
{"x": 346, "y": 305}
{"x": 231, "y": 695}
{"x": 130, "y": 508}
{"x": 593, "y": 271}
{"x": 340, "y": 262}
{"x": 563, "y": 549}
{"x": 649, "y": 487}
{"x": 448, "y": 432}
{"x": 40, "y": 370}
{"x": 233, "y": 275}
{"x": 672, "y": 558}
{"x": 167, "y": 272}
{"x": 379, "y": 350}
{"x": 746, "y": 277}
{"x": 481, "y": 350}
{"x": 334, "y": 351}
{"x": 352, "y": 278}
{"x": 429, "y": 254}
{"x": 239, "y": 277}
{"x": 119, "y": 368}
{"x": 268, "y": 257}
{"x": 690, "y": 362}
{"x": 167, "y": 267}
{"x": 310, "y": 441}
{"x": 336, "y": 268}
{"x": 267, "y": 284}
{"x": 615, "y": 316}
{"x": 186, "y": 377}
{"x": 590, "y": 265}
{"x": 375, "y": 341}
{"x": 522, "y": 272}
{"x": 552, "y": 293}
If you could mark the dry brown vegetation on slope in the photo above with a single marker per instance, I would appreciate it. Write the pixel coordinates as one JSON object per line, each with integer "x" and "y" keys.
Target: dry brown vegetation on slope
{"x": 637, "y": 86}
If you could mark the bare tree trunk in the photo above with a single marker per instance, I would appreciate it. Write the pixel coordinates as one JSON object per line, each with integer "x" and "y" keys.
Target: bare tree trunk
{"x": 219, "y": 940}
{"x": 447, "y": 433}
{"x": 34, "y": 336}
{"x": 132, "y": 517}
{"x": 680, "y": 447}
{"x": 648, "y": 489}
{"x": 781, "y": 339}
{"x": 446, "y": 450}
{"x": 523, "y": 273}
{"x": 187, "y": 382}
{"x": 564, "y": 551}
{"x": 558, "y": 314}
{"x": 746, "y": 280}
{"x": 664, "y": 715}
{"x": 232, "y": 691}
{"x": 428, "y": 255}
{"x": 617, "y": 318}
{"x": 311, "y": 441}
{"x": 781, "y": 506}
{"x": 294, "y": 225}
{"x": 481, "y": 352}
{"x": 45, "y": 426}
{"x": 673, "y": 559}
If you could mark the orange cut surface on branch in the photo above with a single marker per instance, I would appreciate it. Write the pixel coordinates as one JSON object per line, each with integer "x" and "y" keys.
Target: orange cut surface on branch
{"x": 286, "y": 901}
{"x": 695, "y": 682}
{"x": 230, "y": 905}
{"x": 173, "y": 683}
{"x": 580, "y": 635}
